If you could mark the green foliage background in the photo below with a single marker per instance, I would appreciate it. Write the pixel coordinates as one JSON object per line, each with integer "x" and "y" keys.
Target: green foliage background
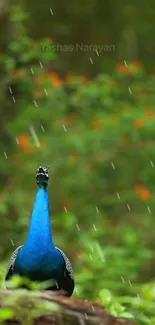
{"x": 97, "y": 135}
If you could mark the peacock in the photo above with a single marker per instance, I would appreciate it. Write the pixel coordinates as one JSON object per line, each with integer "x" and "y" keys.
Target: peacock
{"x": 38, "y": 259}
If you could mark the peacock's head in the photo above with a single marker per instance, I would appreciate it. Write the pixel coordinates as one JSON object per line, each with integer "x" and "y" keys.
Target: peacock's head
{"x": 42, "y": 176}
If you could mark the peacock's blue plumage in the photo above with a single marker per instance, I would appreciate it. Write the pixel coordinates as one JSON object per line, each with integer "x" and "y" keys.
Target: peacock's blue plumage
{"x": 38, "y": 259}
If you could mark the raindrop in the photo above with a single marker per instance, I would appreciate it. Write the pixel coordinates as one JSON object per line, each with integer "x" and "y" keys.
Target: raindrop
{"x": 32, "y": 71}
{"x": 51, "y": 11}
{"x": 64, "y": 128}
{"x": 34, "y": 136}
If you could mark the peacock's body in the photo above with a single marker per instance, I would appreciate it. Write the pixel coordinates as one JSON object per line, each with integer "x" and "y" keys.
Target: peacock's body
{"x": 38, "y": 259}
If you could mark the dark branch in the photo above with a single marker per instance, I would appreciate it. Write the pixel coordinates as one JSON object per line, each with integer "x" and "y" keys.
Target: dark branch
{"x": 69, "y": 311}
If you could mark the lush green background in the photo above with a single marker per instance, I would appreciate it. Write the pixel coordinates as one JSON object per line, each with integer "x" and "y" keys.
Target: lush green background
{"x": 93, "y": 122}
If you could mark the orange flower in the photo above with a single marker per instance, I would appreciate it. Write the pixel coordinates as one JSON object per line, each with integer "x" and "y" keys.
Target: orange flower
{"x": 66, "y": 120}
{"x": 113, "y": 119}
{"x": 22, "y": 73}
{"x": 83, "y": 79}
{"x": 37, "y": 93}
{"x": 122, "y": 68}
{"x": 70, "y": 119}
{"x": 23, "y": 141}
{"x": 39, "y": 80}
{"x": 13, "y": 72}
{"x": 137, "y": 64}
{"x": 19, "y": 73}
{"x": 55, "y": 80}
{"x": 73, "y": 116}
{"x": 139, "y": 188}
{"x": 130, "y": 69}
{"x": 139, "y": 92}
{"x": 74, "y": 156}
{"x": 52, "y": 75}
{"x": 97, "y": 124}
{"x": 145, "y": 194}
{"x": 70, "y": 76}
{"x": 112, "y": 83}
{"x": 149, "y": 114}
{"x": 139, "y": 124}
{"x": 91, "y": 167}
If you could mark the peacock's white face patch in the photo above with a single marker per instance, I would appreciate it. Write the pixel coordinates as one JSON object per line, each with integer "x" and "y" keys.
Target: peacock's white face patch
{"x": 42, "y": 175}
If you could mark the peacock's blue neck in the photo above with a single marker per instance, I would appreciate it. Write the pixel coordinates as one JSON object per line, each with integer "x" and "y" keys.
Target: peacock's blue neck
{"x": 39, "y": 252}
{"x": 39, "y": 232}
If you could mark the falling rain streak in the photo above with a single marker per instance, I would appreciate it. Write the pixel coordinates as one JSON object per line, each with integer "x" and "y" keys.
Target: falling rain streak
{"x": 122, "y": 279}
{"x": 94, "y": 227}
{"x": 91, "y": 248}
{"x": 81, "y": 321}
{"x": 35, "y": 103}
{"x": 97, "y": 210}
{"x": 101, "y": 255}
{"x": 34, "y": 136}
{"x": 151, "y": 162}
{"x": 12, "y": 242}
{"x": 10, "y": 90}
{"x": 32, "y": 71}
{"x": 118, "y": 195}
{"x": 77, "y": 226}
{"x": 92, "y": 307}
{"x": 148, "y": 208}
{"x": 76, "y": 290}
{"x": 64, "y": 128}
{"x": 97, "y": 53}
{"x": 42, "y": 128}
{"x": 51, "y": 11}
{"x": 65, "y": 209}
{"x": 46, "y": 93}
{"x": 90, "y": 256}
{"x": 41, "y": 64}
